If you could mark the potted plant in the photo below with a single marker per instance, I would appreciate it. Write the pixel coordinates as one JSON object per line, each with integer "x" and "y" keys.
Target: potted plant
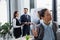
{"x": 4, "y": 29}
{"x": 27, "y": 37}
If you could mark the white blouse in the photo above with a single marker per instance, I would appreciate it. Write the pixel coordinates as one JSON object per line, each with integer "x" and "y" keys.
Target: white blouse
{"x": 14, "y": 24}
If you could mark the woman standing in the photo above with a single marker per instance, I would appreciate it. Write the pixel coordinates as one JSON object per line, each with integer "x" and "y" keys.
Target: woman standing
{"x": 16, "y": 25}
{"x": 48, "y": 28}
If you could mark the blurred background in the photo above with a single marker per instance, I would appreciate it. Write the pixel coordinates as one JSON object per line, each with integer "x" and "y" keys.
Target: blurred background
{"x": 7, "y": 8}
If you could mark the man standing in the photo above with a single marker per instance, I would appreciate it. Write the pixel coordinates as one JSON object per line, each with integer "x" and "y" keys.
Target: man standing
{"x": 26, "y": 19}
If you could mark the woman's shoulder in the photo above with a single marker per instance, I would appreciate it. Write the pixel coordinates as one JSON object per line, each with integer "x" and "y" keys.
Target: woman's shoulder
{"x": 54, "y": 22}
{"x": 14, "y": 19}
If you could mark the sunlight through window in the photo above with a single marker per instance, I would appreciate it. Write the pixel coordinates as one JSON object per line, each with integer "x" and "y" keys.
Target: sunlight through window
{"x": 3, "y": 11}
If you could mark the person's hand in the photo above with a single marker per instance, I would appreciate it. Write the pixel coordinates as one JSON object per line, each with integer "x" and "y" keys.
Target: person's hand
{"x": 29, "y": 23}
{"x": 33, "y": 23}
{"x": 35, "y": 33}
{"x": 25, "y": 23}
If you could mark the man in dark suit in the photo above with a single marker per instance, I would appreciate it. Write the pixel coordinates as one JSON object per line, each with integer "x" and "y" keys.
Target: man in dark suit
{"x": 26, "y": 20}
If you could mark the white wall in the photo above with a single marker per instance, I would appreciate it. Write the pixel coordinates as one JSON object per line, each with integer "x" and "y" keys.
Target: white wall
{"x": 13, "y": 7}
{"x": 23, "y": 4}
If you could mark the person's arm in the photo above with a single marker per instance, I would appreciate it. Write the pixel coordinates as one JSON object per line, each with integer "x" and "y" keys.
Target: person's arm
{"x": 30, "y": 18}
{"x": 40, "y": 31}
{"x": 34, "y": 30}
{"x": 56, "y": 26}
{"x": 20, "y": 22}
{"x": 22, "y": 19}
{"x": 14, "y": 24}
{"x": 55, "y": 29}
{"x": 29, "y": 23}
{"x": 35, "y": 33}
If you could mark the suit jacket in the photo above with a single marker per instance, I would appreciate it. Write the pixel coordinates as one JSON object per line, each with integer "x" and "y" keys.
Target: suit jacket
{"x": 23, "y": 19}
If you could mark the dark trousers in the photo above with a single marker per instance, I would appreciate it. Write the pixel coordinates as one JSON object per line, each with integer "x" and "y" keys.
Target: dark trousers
{"x": 17, "y": 32}
{"x": 26, "y": 31}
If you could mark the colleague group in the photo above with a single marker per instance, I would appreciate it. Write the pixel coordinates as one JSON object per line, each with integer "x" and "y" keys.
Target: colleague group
{"x": 46, "y": 30}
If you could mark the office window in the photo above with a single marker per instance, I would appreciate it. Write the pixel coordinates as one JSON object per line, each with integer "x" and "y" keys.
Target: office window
{"x": 44, "y": 4}
{"x": 58, "y": 11}
{"x": 3, "y": 11}
{"x": 31, "y": 4}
